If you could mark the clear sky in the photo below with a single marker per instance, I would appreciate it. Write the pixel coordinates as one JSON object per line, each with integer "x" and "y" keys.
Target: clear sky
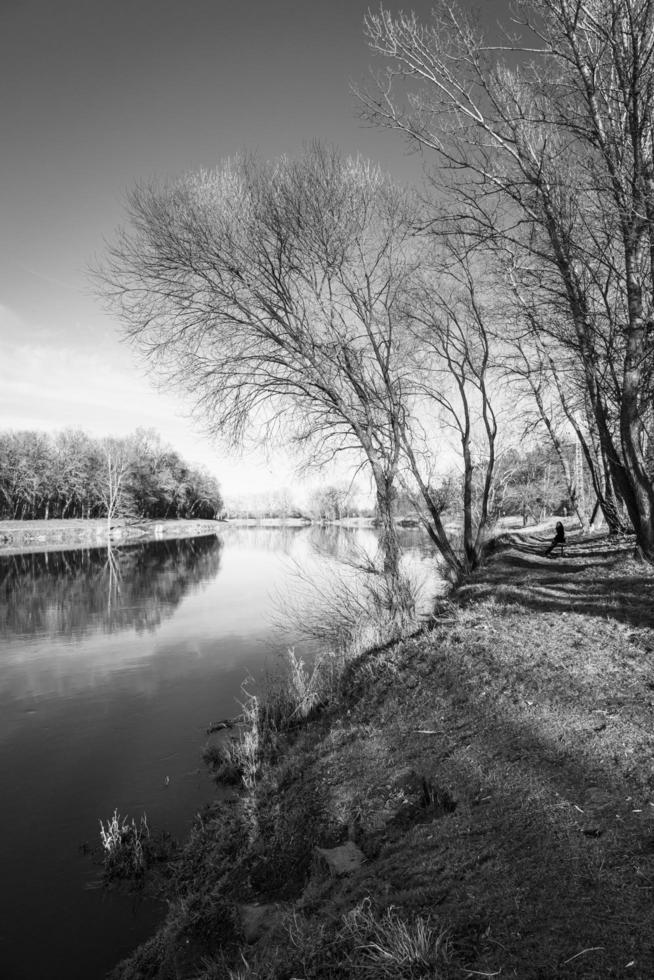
{"x": 98, "y": 94}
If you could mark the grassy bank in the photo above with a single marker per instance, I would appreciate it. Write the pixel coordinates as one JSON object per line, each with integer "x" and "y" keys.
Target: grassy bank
{"x": 76, "y": 533}
{"x": 477, "y": 800}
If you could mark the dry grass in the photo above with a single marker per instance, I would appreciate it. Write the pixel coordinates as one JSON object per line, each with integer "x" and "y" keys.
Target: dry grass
{"x": 288, "y": 700}
{"x": 124, "y": 845}
{"x": 348, "y": 603}
{"x": 361, "y": 943}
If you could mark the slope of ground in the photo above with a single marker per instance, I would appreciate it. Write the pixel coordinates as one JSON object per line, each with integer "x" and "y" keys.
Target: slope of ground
{"x": 492, "y": 779}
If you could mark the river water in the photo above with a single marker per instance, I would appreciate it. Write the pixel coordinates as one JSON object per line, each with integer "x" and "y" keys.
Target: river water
{"x": 112, "y": 665}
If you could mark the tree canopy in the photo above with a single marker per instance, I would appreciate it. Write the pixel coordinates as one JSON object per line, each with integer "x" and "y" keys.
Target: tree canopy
{"x": 315, "y": 298}
{"x": 70, "y": 474}
{"x": 298, "y": 295}
{"x": 543, "y": 147}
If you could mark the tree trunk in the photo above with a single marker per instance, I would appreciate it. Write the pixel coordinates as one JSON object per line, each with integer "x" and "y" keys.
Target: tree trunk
{"x": 433, "y": 524}
{"x": 396, "y": 598}
{"x": 641, "y": 501}
{"x": 469, "y": 550}
{"x": 388, "y": 542}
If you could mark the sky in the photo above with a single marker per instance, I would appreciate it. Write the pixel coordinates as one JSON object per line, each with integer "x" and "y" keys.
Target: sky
{"x": 96, "y": 95}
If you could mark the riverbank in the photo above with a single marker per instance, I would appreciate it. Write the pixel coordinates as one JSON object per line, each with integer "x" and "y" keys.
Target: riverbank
{"x": 27, "y": 536}
{"x": 477, "y": 800}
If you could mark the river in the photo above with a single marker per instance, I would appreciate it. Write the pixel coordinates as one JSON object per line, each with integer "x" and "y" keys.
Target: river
{"x": 112, "y": 665}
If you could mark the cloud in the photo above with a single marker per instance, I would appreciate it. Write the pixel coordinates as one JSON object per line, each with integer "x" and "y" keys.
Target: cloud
{"x": 49, "y": 383}
{"x": 51, "y": 386}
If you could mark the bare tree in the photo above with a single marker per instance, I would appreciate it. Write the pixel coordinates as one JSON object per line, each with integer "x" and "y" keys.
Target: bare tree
{"x": 551, "y": 372}
{"x": 70, "y": 474}
{"x": 330, "y": 502}
{"x": 451, "y": 320}
{"x": 555, "y": 156}
{"x": 112, "y": 487}
{"x": 273, "y": 293}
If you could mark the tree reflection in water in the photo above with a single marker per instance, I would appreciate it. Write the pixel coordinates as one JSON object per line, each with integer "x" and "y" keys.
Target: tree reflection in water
{"x": 280, "y": 539}
{"x": 69, "y": 593}
{"x": 332, "y": 540}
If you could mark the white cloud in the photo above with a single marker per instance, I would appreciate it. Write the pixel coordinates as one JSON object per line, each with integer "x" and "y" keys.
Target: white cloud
{"x": 49, "y": 382}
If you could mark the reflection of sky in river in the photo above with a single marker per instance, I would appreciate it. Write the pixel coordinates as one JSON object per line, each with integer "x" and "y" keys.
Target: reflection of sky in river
{"x": 227, "y": 605}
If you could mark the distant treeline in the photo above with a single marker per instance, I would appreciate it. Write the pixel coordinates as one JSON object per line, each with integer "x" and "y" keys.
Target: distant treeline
{"x": 70, "y": 474}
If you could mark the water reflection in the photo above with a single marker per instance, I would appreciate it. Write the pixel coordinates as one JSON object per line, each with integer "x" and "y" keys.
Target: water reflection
{"x": 112, "y": 665}
{"x": 281, "y": 540}
{"x": 331, "y": 539}
{"x": 67, "y": 594}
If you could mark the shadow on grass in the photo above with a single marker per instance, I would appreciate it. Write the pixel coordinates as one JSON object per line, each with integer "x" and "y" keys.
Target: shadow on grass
{"x": 625, "y": 601}
{"x": 544, "y": 857}
{"x": 531, "y": 869}
{"x": 589, "y": 579}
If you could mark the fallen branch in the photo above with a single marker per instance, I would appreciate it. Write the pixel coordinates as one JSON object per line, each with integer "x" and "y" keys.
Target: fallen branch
{"x": 590, "y": 949}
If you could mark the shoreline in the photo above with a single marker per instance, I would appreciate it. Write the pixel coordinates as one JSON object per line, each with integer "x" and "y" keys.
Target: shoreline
{"x": 25, "y": 537}
{"x": 476, "y": 799}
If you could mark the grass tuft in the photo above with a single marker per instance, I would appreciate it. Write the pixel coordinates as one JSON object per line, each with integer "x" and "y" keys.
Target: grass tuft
{"x": 386, "y": 946}
{"x": 392, "y": 946}
{"x": 123, "y": 843}
{"x": 289, "y": 700}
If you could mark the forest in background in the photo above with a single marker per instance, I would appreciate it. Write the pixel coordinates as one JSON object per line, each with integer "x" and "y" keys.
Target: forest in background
{"x": 71, "y": 474}
{"x": 67, "y": 475}
{"x": 530, "y": 483}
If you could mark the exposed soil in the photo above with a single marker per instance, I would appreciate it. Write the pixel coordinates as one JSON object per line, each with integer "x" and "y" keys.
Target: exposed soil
{"x": 496, "y": 771}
